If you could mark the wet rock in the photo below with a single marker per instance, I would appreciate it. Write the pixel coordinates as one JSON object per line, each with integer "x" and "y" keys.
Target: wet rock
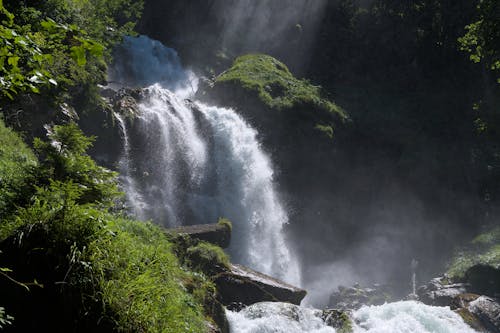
{"x": 354, "y": 297}
{"x": 218, "y": 234}
{"x": 439, "y": 292}
{"x": 337, "y": 319}
{"x": 243, "y": 285}
{"x": 488, "y": 311}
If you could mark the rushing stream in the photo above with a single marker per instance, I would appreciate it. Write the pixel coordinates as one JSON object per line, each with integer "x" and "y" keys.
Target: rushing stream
{"x": 185, "y": 162}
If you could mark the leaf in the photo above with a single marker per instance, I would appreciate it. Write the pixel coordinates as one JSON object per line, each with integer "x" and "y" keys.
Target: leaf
{"x": 78, "y": 54}
{"x": 53, "y": 82}
{"x": 13, "y": 61}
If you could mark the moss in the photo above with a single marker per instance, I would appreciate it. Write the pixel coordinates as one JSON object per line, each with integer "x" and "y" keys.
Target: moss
{"x": 207, "y": 258}
{"x": 226, "y": 223}
{"x": 325, "y": 129}
{"x": 483, "y": 250}
{"x": 275, "y": 85}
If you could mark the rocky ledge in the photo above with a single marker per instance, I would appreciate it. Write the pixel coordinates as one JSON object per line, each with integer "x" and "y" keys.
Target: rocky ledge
{"x": 241, "y": 286}
{"x": 218, "y": 234}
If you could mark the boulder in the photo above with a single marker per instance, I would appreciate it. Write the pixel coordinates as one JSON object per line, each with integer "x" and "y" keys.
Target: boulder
{"x": 484, "y": 280}
{"x": 217, "y": 233}
{"x": 354, "y": 297}
{"x": 488, "y": 311}
{"x": 241, "y": 284}
{"x": 439, "y": 292}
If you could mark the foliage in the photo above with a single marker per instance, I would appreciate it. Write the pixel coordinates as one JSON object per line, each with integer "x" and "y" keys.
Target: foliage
{"x": 141, "y": 280}
{"x": 207, "y": 258}
{"x": 5, "y": 319}
{"x": 483, "y": 249}
{"x": 16, "y": 164}
{"x": 21, "y": 59}
{"x": 100, "y": 267}
{"x": 482, "y": 39}
{"x": 275, "y": 85}
{"x": 64, "y": 158}
{"x": 226, "y": 223}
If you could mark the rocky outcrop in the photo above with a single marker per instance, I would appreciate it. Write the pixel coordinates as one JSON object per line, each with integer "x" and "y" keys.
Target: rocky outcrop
{"x": 354, "y": 297}
{"x": 481, "y": 312}
{"x": 440, "y": 292}
{"x": 243, "y": 285}
{"x": 218, "y": 234}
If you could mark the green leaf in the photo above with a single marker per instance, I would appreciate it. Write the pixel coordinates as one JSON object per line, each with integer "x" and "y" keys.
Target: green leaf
{"x": 78, "y": 54}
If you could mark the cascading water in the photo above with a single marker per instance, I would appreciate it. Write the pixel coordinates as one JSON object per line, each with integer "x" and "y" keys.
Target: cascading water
{"x": 398, "y": 317}
{"x": 187, "y": 163}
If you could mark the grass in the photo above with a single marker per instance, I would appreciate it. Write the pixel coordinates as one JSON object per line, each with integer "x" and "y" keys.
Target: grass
{"x": 483, "y": 249}
{"x": 275, "y": 84}
{"x": 16, "y": 164}
{"x": 142, "y": 283}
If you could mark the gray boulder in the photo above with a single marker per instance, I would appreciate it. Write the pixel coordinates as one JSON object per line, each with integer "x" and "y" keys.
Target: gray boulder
{"x": 488, "y": 311}
{"x": 243, "y": 285}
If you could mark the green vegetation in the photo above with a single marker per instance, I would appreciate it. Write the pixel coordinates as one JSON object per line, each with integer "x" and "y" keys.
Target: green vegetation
{"x": 275, "y": 85}
{"x": 103, "y": 271}
{"x": 484, "y": 249}
{"x": 225, "y": 222}
{"x": 60, "y": 49}
{"x": 482, "y": 39}
{"x": 16, "y": 164}
{"x": 142, "y": 282}
{"x": 207, "y": 258}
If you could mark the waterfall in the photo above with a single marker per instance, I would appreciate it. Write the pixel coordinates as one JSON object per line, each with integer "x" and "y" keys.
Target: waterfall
{"x": 187, "y": 163}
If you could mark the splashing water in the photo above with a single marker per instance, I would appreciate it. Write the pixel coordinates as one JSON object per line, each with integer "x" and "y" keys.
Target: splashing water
{"x": 408, "y": 317}
{"x": 398, "y": 317}
{"x": 277, "y": 318}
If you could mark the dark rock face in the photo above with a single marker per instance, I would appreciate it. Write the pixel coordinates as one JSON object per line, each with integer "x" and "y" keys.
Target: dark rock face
{"x": 212, "y": 233}
{"x": 242, "y": 285}
{"x": 484, "y": 280}
{"x": 354, "y": 297}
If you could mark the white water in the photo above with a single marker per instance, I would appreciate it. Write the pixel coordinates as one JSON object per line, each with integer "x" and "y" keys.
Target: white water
{"x": 187, "y": 163}
{"x": 277, "y": 318}
{"x": 398, "y": 317}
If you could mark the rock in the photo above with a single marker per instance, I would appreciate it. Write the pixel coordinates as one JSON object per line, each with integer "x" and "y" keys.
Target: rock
{"x": 439, "y": 293}
{"x": 462, "y": 300}
{"x": 337, "y": 319}
{"x": 243, "y": 285}
{"x": 217, "y": 233}
{"x": 484, "y": 280}
{"x": 488, "y": 311}
{"x": 354, "y": 297}
{"x": 471, "y": 320}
